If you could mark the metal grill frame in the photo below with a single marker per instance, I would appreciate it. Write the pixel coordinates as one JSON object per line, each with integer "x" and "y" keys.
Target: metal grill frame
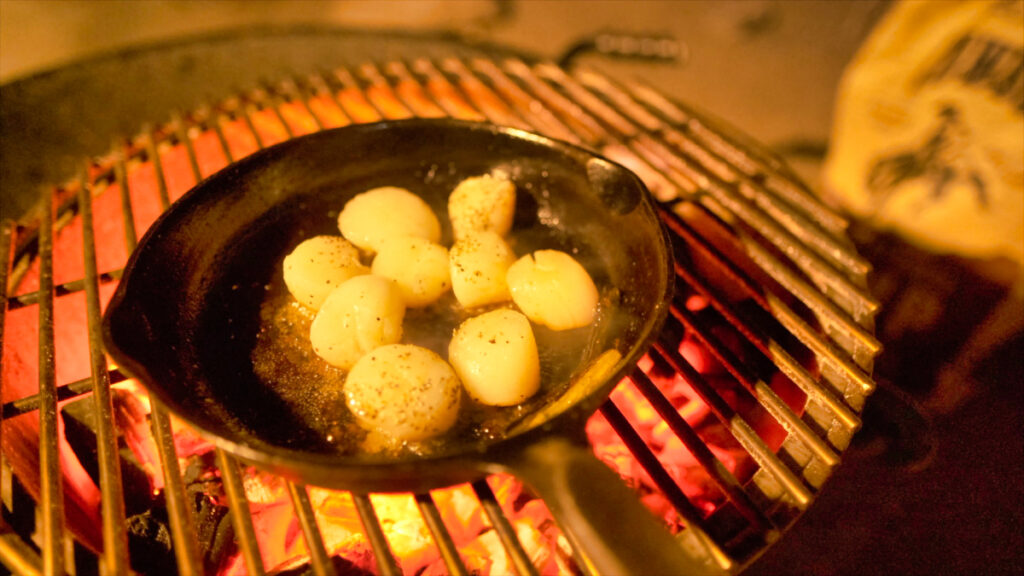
{"x": 699, "y": 171}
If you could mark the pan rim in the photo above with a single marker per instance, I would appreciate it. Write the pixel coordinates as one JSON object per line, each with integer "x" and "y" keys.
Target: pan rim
{"x": 484, "y": 456}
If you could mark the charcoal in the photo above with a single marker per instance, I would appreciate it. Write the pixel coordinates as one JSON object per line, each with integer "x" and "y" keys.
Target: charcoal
{"x": 149, "y": 543}
{"x": 342, "y": 567}
{"x": 149, "y": 535}
{"x": 215, "y": 532}
{"x": 151, "y": 547}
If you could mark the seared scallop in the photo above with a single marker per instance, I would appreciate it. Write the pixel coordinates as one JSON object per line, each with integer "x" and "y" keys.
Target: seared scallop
{"x": 553, "y": 289}
{"x": 362, "y": 314}
{"x": 419, "y": 266}
{"x": 318, "y": 265}
{"x": 495, "y": 356}
{"x": 482, "y": 203}
{"x": 386, "y": 212}
{"x": 403, "y": 391}
{"x": 478, "y": 266}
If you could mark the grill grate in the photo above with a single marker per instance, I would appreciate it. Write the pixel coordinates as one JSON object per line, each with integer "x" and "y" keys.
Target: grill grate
{"x": 770, "y": 259}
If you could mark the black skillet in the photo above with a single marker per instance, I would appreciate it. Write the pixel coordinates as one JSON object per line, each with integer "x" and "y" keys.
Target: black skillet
{"x": 185, "y": 316}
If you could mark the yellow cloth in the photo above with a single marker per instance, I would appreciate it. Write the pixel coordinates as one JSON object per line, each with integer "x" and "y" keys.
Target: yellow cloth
{"x": 928, "y": 138}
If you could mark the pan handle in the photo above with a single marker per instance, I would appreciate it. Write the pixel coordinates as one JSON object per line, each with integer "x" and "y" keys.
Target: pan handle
{"x": 599, "y": 515}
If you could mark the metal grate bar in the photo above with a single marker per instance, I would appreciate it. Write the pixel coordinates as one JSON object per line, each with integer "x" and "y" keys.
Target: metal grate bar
{"x": 220, "y": 118}
{"x": 529, "y": 107}
{"x": 692, "y": 182}
{"x": 617, "y": 123}
{"x": 31, "y": 403}
{"x": 790, "y": 218}
{"x": 241, "y": 518}
{"x": 352, "y": 99}
{"x": 30, "y": 298}
{"x": 6, "y": 242}
{"x": 689, "y": 513}
{"x": 844, "y": 330}
{"x": 196, "y": 124}
{"x": 293, "y": 107}
{"x": 246, "y": 114}
{"x": 535, "y": 110}
{"x": 780, "y": 357}
{"x": 379, "y": 91}
{"x": 445, "y": 94}
{"x": 823, "y": 349}
{"x": 218, "y": 127}
{"x": 115, "y": 537}
{"x": 583, "y": 124}
{"x": 320, "y": 561}
{"x": 230, "y": 115}
{"x": 179, "y": 512}
{"x": 319, "y": 558}
{"x": 619, "y": 99}
{"x": 15, "y": 553}
{"x": 412, "y": 94}
{"x": 829, "y": 313}
{"x": 320, "y": 87}
{"x": 726, "y": 194}
{"x": 742, "y": 155}
{"x": 594, "y": 106}
{"x": 794, "y": 215}
{"x": 266, "y": 99}
{"x": 445, "y": 544}
{"x": 323, "y": 103}
{"x": 719, "y": 474}
{"x": 64, "y": 392}
{"x": 434, "y": 85}
{"x": 158, "y": 169}
{"x": 757, "y": 387}
{"x": 51, "y": 499}
{"x": 421, "y": 81}
{"x": 181, "y": 132}
{"x": 506, "y": 533}
{"x": 738, "y": 427}
{"x": 18, "y": 556}
{"x": 489, "y": 103}
{"x": 386, "y": 563}
{"x": 120, "y": 176}
{"x": 827, "y": 297}
{"x": 294, "y": 93}
{"x": 28, "y": 238}
{"x": 254, "y": 104}
{"x": 691, "y": 517}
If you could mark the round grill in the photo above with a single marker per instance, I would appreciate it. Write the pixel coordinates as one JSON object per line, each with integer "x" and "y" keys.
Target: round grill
{"x": 771, "y": 331}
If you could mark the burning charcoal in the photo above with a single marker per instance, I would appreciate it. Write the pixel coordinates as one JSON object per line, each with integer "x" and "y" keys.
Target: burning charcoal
{"x": 342, "y": 567}
{"x": 149, "y": 532}
{"x": 148, "y": 526}
{"x": 80, "y": 431}
{"x": 214, "y": 531}
{"x": 149, "y": 543}
{"x": 200, "y": 475}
